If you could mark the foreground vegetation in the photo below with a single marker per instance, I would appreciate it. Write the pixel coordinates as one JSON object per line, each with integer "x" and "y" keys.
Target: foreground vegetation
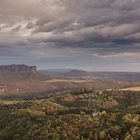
{"x": 73, "y": 115}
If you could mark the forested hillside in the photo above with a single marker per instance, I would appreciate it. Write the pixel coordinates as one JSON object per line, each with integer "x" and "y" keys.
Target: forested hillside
{"x": 75, "y": 115}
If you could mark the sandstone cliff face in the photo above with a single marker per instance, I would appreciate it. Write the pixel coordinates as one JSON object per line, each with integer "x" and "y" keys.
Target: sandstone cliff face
{"x": 18, "y": 68}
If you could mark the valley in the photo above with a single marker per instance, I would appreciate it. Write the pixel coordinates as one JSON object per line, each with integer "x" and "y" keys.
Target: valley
{"x": 76, "y": 105}
{"x": 26, "y": 81}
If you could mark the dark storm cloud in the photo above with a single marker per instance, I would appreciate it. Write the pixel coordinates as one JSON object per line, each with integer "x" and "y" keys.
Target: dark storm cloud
{"x": 93, "y": 27}
{"x": 84, "y": 23}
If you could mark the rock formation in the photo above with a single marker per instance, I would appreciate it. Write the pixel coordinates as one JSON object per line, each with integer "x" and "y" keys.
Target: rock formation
{"x": 18, "y": 68}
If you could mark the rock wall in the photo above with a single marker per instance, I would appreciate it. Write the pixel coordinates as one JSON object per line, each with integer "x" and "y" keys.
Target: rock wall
{"x": 18, "y": 68}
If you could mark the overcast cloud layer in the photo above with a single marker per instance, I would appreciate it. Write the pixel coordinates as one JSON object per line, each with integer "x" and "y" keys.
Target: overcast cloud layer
{"x": 84, "y": 34}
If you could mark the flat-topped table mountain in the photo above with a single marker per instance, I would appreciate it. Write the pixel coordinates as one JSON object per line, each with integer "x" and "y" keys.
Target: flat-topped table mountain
{"x": 10, "y": 73}
{"x": 18, "y": 68}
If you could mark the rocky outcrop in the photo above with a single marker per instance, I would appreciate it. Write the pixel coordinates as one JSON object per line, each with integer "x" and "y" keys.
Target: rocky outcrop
{"x": 18, "y": 68}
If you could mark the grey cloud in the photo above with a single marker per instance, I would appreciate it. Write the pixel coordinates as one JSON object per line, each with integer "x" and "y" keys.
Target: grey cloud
{"x": 95, "y": 26}
{"x": 52, "y": 26}
{"x": 97, "y": 20}
{"x": 16, "y": 28}
{"x": 126, "y": 4}
{"x": 30, "y": 25}
{"x": 11, "y": 39}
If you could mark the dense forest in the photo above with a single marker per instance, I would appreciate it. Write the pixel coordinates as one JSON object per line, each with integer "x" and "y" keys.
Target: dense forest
{"x": 82, "y": 114}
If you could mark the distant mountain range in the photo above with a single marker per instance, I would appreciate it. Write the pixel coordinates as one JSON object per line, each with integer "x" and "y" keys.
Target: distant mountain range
{"x": 23, "y": 72}
{"x": 64, "y": 72}
{"x": 73, "y": 73}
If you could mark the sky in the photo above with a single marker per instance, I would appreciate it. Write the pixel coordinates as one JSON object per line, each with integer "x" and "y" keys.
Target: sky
{"x": 93, "y": 35}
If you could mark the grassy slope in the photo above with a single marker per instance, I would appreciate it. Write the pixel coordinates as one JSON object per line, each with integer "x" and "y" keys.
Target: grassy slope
{"x": 132, "y": 89}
